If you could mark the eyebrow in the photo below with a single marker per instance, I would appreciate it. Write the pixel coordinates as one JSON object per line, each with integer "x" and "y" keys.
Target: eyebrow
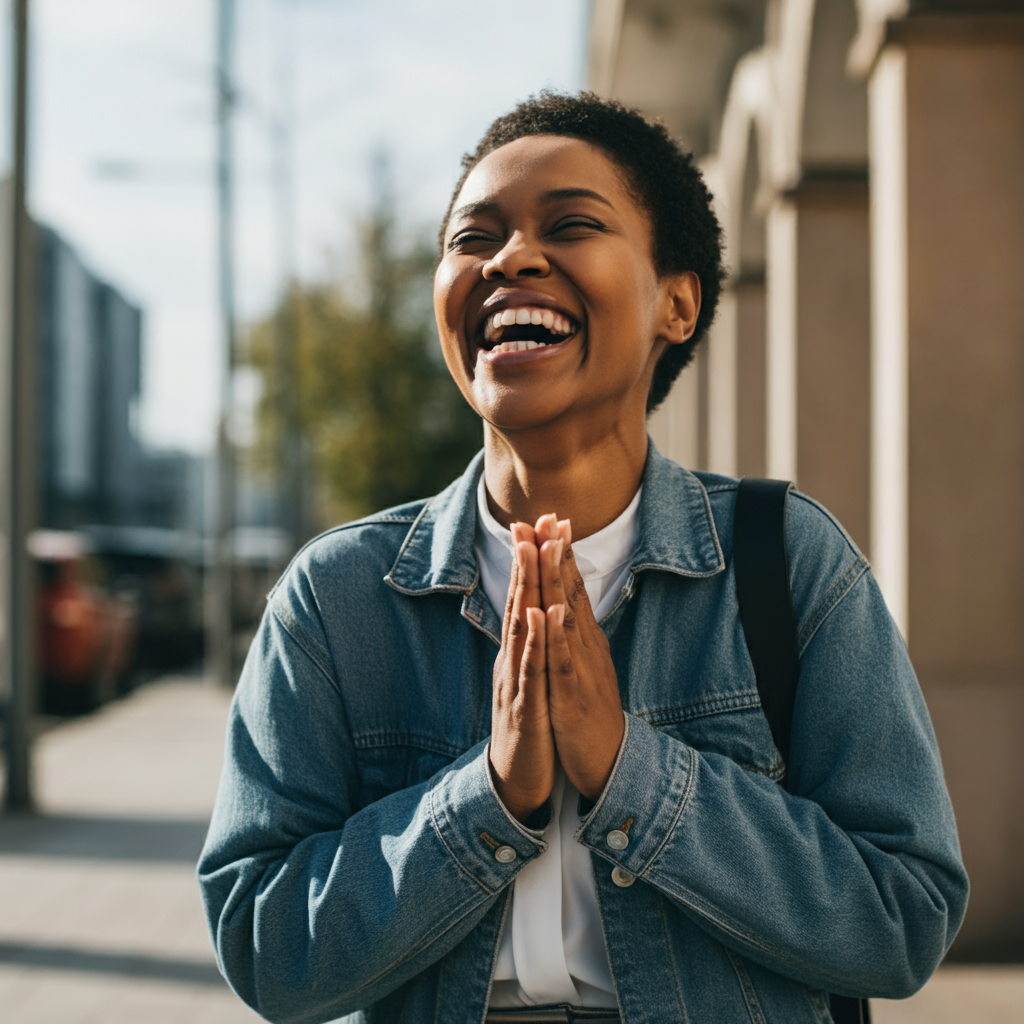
{"x": 558, "y": 194}
{"x": 555, "y": 195}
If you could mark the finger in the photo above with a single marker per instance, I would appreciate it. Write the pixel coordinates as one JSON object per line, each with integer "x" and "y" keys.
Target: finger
{"x": 551, "y": 584}
{"x": 513, "y": 585}
{"x": 533, "y": 668}
{"x": 561, "y": 670}
{"x": 523, "y": 532}
{"x": 527, "y": 595}
{"x": 577, "y": 600}
{"x": 546, "y": 528}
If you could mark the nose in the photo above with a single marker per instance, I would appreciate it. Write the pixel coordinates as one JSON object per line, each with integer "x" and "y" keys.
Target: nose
{"x": 518, "y": 257}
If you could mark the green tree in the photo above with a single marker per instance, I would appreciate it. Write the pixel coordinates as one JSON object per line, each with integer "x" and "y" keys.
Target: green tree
{"x": 377, "y": 417}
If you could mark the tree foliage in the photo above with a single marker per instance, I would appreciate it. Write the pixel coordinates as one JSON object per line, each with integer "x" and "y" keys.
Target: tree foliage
{"x": 359, "y": 391}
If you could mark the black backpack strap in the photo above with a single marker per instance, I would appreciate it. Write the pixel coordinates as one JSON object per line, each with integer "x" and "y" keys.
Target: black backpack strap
{"x": 761, "y": 565}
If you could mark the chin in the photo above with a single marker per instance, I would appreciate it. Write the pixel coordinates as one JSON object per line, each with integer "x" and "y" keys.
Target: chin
{"x": 518, "y": 412}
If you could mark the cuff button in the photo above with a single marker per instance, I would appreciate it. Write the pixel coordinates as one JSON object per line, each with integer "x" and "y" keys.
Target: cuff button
{"x": 617, "y": 839}
{"x": 623, "y": 879}
{"x": 504, "y": 854}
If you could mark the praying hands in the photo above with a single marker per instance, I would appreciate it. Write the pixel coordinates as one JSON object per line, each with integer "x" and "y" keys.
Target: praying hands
{"x": 555, "y": 689}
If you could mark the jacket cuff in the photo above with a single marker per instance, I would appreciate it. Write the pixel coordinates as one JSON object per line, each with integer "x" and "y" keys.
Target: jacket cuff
{"x": 470, "y": 819}
{"x": 642, "y": 800}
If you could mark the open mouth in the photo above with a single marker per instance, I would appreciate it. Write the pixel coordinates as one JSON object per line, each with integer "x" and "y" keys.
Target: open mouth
{"x": 521, "y": 328}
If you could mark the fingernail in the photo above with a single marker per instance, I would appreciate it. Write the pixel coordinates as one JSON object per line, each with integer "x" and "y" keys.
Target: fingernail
{"x": 559, "y": 545}
{"x": 558, "y": 613}
{"x": 565, "y": 531}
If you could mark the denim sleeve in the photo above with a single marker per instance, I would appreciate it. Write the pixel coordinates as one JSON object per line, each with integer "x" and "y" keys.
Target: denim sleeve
{"x": 852, "y": 882}
{"x": 318, "y": 907}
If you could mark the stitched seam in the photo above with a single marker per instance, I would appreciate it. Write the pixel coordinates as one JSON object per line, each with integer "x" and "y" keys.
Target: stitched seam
{"x": 428, "y": 940}
{"x": 673, "y": 961}
{"x": 494, "y": 955}
{"x": 369, "y": 521}
{"x": 405, "y": 544}
{"x": 382, "y": 740}
{"x": 711, "y": 524}
{"x": 442, "y": 588}
{"x": 327, "y": 671}
{"x": 451, "y": 852}
{"x": 720, "y": 488}
{"x": 688, "y": 789}
{"x": 844, "y": 583}
{"x": 747, "y": 988}
{"x": 701, "y": 709}
{"x": 840, "y": 529}
{"x": 690, "y": 899}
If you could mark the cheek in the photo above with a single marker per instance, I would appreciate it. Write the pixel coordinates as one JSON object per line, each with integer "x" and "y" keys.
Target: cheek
{"x": 449, "y": 313}
{"x": 449, "y": 298}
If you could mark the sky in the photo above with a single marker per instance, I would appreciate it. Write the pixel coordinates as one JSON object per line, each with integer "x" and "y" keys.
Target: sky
{"x": 122, "y": 145}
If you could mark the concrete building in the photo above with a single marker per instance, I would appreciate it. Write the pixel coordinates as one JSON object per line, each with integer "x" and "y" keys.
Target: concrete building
{"x": 868, "y": 164}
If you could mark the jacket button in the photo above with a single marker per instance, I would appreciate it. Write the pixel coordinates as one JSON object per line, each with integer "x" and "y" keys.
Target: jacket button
{"x": 623, "y": 879}
{"x": 617, "y": 839}
{"x": 505, "y": 854}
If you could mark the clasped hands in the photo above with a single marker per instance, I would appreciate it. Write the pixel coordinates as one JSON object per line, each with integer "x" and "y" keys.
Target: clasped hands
{"x": 555, "y": 695}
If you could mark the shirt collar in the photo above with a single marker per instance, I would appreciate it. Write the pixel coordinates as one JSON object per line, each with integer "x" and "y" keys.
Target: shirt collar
{"x": 677, "y": 531}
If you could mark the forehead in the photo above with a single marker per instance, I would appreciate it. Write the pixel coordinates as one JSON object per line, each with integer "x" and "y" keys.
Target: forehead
{"x": 531, "y": 167}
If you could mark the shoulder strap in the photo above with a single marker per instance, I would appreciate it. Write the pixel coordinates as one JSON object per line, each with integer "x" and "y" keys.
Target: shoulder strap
{"x": 761, "y": 565}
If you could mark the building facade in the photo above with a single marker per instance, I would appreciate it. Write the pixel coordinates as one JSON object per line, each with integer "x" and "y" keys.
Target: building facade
{"x": 867, "y": 160}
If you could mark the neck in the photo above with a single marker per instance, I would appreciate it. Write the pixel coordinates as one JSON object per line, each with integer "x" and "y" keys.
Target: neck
{"x": 580, "y": 472}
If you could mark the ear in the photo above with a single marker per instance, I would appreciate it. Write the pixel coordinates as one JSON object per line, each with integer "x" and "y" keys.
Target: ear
{"x": 681, "y": 305}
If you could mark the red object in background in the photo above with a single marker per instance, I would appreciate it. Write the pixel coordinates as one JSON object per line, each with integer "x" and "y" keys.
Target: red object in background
{"x": 71, "y": 627}
{"x": 86, "y": 637}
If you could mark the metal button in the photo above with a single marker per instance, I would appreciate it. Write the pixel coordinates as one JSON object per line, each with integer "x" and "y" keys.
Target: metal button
{"x": 617, "y": 839}
{"x": 623, "y": 879}
{"x": 505, "y": 854}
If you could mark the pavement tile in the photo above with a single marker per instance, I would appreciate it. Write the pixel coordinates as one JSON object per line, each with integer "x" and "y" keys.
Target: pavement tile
{"x": 101, "y": 921}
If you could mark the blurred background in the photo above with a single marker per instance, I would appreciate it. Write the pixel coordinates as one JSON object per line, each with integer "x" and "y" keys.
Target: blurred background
{"x": 217, "y": 238}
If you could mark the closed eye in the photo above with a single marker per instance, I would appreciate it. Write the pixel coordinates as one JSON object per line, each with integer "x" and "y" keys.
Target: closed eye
{"x": 578, "y": 222}
{"x": 469, "y": 237}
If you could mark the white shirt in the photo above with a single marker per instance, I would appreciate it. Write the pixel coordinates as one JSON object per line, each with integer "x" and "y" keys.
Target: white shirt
{"x": 552, "y": 947}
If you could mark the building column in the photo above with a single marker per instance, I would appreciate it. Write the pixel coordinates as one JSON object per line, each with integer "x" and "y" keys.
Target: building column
{"x": 833, "y": 344}
{"x": 947, "y": 133}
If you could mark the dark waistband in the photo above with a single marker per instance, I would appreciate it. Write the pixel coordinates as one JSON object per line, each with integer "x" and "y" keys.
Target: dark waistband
{"x": 563, "y": 1014}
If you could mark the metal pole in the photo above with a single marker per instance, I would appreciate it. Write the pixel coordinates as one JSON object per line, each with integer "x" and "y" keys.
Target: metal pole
{"x": 290, "y": 455}
{"x": 220, "y": 596}
{"x": 18, "y": 590}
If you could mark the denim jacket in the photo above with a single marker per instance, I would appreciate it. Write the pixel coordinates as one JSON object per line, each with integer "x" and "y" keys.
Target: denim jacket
{"x": 351, "y": 868}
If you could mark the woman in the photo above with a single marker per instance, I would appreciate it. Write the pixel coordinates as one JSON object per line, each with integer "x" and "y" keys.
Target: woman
{"x": 500, "y": 754}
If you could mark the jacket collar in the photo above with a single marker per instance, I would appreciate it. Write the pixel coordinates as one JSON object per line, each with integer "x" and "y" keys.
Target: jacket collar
{"x": 677, "y": 531}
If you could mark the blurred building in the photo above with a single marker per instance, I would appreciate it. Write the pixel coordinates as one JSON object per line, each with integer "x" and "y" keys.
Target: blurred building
{"x": 133, "y": 514}
{"x": 92, "y": 467}
{"x": 867, "y": 160}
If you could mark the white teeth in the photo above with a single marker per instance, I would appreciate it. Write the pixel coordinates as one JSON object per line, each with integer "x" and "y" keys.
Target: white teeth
{"x": 551, "y": 321}
{"x": 519, "y": 346}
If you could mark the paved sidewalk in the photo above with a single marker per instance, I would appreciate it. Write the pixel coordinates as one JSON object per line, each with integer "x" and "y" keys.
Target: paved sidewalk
{"x": 100, "y": 921}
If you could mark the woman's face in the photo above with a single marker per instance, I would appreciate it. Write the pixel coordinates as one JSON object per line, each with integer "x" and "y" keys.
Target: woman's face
{"x": 546, "y": 297}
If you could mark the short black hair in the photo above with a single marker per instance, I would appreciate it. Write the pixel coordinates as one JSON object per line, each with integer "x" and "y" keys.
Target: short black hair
{"x": 663, "y": 179}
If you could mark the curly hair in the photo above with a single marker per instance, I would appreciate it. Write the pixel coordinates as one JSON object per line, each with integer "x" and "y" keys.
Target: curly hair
{"x": 664, "y": 181}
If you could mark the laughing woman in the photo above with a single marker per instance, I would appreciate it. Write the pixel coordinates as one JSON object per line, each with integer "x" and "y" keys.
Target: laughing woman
{"x": 499, "y": 755}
